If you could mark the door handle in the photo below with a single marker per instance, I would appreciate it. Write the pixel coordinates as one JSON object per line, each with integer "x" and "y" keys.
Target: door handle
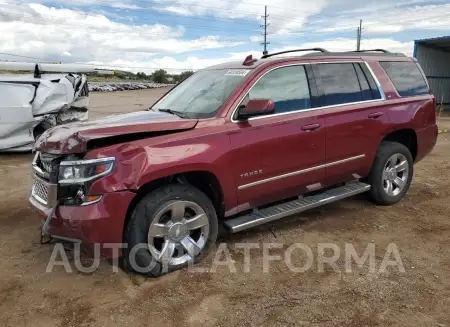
{"x": 375, "y": 115}
{"x": 310, "y": 128}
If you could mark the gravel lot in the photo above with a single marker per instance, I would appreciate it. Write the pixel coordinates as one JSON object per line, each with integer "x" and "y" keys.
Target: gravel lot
{"x": 419, "y": 226}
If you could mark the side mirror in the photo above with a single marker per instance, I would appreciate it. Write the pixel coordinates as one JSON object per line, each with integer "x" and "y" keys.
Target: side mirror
{"x": 256, "y": 107}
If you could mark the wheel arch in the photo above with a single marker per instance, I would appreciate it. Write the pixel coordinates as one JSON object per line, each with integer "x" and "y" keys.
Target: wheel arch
{"x": 204, "y": 180}
{"x": 407, "y": 137}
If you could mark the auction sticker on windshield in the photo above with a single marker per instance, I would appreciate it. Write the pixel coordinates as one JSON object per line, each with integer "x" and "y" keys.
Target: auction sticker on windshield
{"x": 237, "y": 72}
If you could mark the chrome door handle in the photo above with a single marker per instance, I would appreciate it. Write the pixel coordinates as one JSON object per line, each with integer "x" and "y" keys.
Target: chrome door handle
{"x": 375, "y": 115}
{"x": 310, "y": 128}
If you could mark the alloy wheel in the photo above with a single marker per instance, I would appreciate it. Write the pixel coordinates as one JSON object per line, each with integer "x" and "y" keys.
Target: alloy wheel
{"x": 395, "y": 174}
{"x": 178, "y": 233}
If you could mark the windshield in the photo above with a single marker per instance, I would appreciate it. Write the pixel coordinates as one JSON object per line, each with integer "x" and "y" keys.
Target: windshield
{"x": 202, "y": 94}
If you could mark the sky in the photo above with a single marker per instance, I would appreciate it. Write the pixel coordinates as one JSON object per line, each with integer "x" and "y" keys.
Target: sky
{"x": 177, "y": 35}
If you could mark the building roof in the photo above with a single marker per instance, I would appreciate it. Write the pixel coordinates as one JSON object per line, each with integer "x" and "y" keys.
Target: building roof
{"x": 441, "y": 42}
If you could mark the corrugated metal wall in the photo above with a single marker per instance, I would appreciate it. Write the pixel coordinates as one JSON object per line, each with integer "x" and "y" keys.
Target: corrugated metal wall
{"x": 436, "y": 66}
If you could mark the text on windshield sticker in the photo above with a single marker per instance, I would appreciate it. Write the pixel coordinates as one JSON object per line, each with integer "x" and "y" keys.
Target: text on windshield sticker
{"x": 237, "y": 72}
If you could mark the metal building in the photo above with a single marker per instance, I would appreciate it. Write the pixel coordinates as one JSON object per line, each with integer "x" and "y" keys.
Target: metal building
{"x": 434, "y": 56}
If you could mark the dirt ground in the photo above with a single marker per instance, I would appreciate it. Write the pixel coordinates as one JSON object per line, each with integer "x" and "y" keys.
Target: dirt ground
{"x": 419, "y": 226}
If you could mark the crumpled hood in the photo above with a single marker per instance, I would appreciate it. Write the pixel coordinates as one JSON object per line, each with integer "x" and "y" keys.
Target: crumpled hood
{"x": 74, "y": 137}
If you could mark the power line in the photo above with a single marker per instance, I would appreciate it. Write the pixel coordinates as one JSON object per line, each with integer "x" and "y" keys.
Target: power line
{"x": 240, "y": 30}
{"x": 117, "y": 31}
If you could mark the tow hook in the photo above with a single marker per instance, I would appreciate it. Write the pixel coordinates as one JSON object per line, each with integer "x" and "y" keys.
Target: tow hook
{"x": 45, "y": 237}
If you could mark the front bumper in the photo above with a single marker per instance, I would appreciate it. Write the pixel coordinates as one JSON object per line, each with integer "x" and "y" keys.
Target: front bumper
{"x": 98, "y": 223}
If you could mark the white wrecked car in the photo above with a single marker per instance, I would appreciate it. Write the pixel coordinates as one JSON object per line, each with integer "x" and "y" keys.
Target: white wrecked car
{"x": 31, "y": 104}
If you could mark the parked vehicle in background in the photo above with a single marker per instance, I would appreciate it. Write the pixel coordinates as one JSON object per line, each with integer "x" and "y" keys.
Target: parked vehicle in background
{"x": 239, "y": 144}
{"x": 122, "y": 86}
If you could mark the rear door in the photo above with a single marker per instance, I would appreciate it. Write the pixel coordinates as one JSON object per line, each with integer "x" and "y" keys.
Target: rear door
{"x": 279, "y": 155}
{"x": 355, "y": 118}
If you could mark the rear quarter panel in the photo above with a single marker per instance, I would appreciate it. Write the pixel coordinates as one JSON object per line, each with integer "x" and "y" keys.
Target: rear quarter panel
{"x": 417, "y": 113}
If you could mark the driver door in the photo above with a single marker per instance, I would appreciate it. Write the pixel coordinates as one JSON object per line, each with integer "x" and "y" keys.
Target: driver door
{"x": 279, "y": 155}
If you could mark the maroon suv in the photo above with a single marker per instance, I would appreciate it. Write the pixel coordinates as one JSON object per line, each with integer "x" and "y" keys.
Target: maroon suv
{"x": 239, "y": 144}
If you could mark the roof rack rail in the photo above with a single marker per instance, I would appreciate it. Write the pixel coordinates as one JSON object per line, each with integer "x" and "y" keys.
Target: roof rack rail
{"x": 374, "y": 50}
{"x": 297, "y": 50}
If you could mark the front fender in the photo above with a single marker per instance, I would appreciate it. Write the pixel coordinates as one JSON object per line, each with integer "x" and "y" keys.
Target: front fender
{"x": 140, "y": 162}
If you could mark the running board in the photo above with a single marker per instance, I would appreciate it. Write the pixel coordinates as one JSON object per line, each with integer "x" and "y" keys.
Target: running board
{"x": 262, "y": 216}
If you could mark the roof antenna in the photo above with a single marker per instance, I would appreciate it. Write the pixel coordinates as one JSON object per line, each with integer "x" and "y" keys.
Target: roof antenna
{"x": 37, "y": 72}
{"x": 249, "y": 60}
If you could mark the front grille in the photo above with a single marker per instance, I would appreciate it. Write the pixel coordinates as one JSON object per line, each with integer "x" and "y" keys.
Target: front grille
{"x": 40, "y": 191}
{"x": 45, "y": 174}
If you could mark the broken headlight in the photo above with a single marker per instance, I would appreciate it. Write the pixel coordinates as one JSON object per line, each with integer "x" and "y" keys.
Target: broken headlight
{"x": 75, "y": 178}
{"x": 82, "y": 171}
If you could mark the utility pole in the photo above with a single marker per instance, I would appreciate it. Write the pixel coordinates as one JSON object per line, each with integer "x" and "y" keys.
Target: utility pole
{"x": 265, "y": 43}
{"x": 358, "y": 36}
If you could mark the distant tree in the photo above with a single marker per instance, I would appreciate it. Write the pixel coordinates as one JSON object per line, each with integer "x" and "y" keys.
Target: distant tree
{"x": 141, "y": 76}
{"x": 160, "y": 76}
{"x": 184, "y": 75}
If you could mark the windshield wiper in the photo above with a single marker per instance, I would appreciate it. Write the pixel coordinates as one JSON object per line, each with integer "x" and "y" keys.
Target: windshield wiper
{"x": 174, "y": 112}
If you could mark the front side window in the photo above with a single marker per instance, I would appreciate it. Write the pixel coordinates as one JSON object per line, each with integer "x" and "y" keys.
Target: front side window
{"x": 339, "y": 83}
{"x": 406, "y": 77}
{"x": 287, "y": 86}
{"x": 202, "y": 94}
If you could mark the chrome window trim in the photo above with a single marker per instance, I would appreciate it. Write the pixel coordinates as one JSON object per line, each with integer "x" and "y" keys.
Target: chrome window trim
{"x": 380, "y": 89}
{"x": 246, "y": 93}
{"x": 299, "y": 172}
{"x": 377, "y": 82}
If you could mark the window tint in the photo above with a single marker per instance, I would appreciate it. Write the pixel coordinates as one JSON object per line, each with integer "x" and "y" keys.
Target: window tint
{"x": 406, "y": 77}
{"x": 340, "y": 83}
{"x": 368, "y": 86}
{"x": 287, "y": 87}
{"x": 365, "y": 88}
{"x": 373, "y": 85}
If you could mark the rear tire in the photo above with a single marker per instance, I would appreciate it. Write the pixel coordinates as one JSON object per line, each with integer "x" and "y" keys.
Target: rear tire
{"x": 169, "y": 228}
{"x": 391, "y": 173}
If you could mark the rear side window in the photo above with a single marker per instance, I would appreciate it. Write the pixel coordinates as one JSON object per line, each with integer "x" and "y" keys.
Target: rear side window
{"x": 287, "y": 86}
{"x": 406, "y": 77}
{"x": 369, "y": 88}
{"x": 339, "y": 83}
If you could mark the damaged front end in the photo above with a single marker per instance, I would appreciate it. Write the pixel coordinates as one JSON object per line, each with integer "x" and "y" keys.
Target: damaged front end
{"x": 63, "y": 181}
{"x": 31, "y": 105}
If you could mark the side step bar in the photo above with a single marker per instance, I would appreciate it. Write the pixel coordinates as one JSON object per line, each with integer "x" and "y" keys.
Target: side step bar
{"x": 259, "y": 217}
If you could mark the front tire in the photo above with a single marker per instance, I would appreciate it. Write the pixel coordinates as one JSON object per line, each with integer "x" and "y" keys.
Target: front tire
{"x": 169, "y": 228}
{"x": 391, "y": 173}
